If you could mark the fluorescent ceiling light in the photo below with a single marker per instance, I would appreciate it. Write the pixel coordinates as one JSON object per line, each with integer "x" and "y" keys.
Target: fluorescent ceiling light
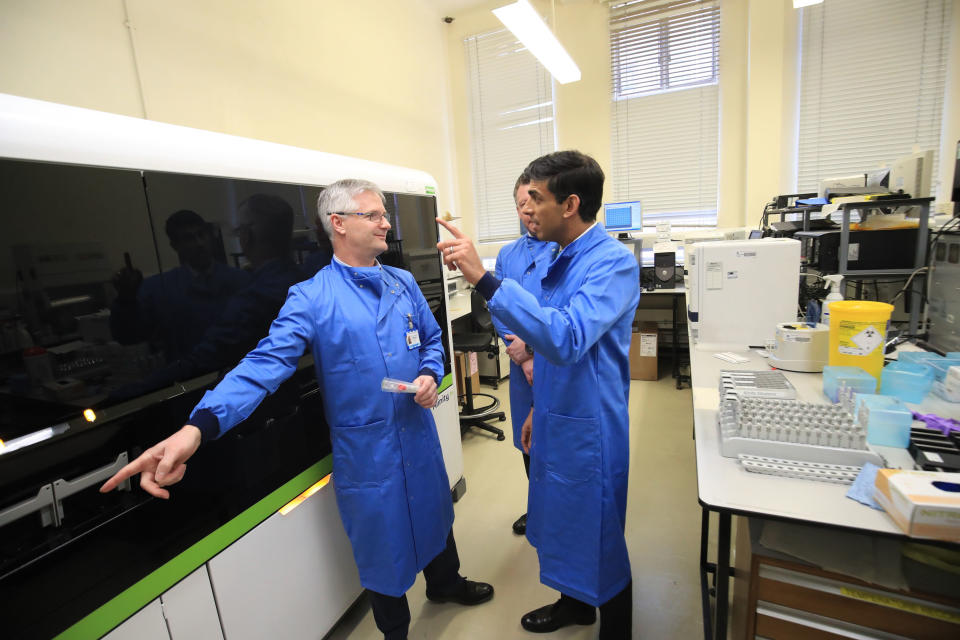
{"x": 530, "y": 29}
{"x": 804, "y": 3}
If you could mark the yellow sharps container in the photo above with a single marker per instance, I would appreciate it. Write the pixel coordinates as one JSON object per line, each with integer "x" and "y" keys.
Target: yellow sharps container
{"x": 858, "y": 330}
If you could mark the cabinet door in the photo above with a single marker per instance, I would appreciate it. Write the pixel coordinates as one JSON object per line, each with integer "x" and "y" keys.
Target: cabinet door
{"x": 292, "y": 576}
{"x": 190, "y": 609}
{"x": 146, "y": 624}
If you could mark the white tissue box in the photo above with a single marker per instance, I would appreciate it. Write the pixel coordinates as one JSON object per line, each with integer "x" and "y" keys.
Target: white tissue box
{"x": 925, "y": 504}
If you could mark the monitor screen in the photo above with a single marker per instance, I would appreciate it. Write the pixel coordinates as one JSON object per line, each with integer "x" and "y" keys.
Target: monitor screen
{"x": 756, "y": 234}
{"x": 623, "y": 216}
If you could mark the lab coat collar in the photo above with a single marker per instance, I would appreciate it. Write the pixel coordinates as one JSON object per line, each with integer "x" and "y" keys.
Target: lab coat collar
{"x": 591, "y": 236}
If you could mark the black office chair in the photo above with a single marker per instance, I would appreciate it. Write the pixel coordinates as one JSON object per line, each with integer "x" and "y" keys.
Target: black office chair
{"x": 482, "y": 339}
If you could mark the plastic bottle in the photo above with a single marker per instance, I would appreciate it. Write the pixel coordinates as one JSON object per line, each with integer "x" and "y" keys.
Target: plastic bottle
{"x": 834, "y": 295}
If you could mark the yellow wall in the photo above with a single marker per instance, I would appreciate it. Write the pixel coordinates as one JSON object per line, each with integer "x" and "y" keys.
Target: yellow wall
{"x": 385, "y": 80}
{"x": 363, "y": 78}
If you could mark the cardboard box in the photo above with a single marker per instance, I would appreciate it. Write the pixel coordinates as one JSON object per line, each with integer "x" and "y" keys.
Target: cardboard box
{"x": 643, "y": 351}
{"x": 466, "y": 361}
{"x": 925, "y": 504}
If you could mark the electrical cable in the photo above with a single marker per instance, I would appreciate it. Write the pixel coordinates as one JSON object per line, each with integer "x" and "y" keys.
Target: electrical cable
{"x": 907, "y": 284}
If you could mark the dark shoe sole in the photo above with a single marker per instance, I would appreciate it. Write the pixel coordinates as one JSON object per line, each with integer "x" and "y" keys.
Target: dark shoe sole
{"x": 456, "y": 600}
{"x": 583, "y": 623}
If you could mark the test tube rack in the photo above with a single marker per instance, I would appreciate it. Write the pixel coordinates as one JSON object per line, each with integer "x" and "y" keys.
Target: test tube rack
{"x": 792, "y": 430}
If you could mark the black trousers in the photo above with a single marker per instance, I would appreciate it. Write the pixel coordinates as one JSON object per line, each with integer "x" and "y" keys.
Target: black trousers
{"x": 392, "y": 614}
{"x": 526, "y": 464}
{"x": 616, "y": 614}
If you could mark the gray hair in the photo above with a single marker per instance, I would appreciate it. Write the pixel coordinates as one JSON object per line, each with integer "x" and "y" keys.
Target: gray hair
{"x": 339, "y": 196}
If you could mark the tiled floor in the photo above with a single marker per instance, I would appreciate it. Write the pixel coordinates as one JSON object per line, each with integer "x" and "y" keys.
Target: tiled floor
{"x": 663, "y": 534}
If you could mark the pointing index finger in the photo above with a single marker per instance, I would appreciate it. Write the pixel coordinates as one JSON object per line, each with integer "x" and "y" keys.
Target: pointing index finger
{"x": 456, "y": 233}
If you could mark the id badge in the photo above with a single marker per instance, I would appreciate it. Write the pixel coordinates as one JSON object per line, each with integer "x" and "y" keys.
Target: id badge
{"x": 413, "y": 339}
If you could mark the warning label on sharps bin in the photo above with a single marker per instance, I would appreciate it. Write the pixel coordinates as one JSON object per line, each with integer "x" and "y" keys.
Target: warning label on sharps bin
{"x": 858, "y": 338}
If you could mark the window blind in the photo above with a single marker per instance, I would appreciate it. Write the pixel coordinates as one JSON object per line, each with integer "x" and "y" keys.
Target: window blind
{"x": 511, "y": 123}
{"x": 871, "y": 84}
{"x": 664, "y": 132}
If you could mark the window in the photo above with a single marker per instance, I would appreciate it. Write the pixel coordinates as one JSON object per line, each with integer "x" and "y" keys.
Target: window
{"x": 511, "y": 123}
{"x": 871, "y": 84}
{"x": 665, "y": 108}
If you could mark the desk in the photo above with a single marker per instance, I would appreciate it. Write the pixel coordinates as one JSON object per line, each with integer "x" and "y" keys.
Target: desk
{"x": 725, "y": 487}
{"x": 677, "y": 298}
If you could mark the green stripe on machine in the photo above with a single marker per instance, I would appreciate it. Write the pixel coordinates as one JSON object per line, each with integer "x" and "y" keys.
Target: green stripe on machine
{"x": 103, "y": 619}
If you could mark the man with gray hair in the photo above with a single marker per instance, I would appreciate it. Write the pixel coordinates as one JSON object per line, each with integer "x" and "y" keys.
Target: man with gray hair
{"x": 363, "y": 322}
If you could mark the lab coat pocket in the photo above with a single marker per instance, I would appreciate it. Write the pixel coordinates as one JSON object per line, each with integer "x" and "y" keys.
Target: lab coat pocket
{"x": 363, "y": 455}
{"x": 571, "y": 446}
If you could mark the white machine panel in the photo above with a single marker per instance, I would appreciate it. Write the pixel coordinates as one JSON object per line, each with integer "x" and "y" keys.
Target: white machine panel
{"x": 292, "y": 576}
{"x": 190, "y": 609}
{"x": 146, "y": 624}
{"x": 448, "y": 428}
{"x": 739, "y": 290}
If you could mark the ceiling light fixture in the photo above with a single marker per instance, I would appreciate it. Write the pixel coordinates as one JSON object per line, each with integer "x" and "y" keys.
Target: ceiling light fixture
{"x": 797, "y": 4}
{"x": 530, "y": 29}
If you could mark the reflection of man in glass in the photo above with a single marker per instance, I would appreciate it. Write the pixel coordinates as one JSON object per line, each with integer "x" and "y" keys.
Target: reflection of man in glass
{"x": 175, "y": 307}
{"x": 265, "y": 232}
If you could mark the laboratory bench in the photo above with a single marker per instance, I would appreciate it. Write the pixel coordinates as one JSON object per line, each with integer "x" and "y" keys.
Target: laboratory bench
{"x": 726, "y": 488}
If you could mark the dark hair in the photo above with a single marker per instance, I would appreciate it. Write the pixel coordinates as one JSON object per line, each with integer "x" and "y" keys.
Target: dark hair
{"x": 272, "y": 218}
{"x": 568, "y": 173}
{"x": 180, "y": 220}
{"x": 523, "y": 179}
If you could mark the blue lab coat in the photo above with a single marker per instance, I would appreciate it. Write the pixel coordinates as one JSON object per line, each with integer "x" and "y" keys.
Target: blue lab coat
{"x": 524, "y": 260}
{"x": 390, "y": 480}
{"x": 579, "y": 458}
{"x": 177, "y": 306}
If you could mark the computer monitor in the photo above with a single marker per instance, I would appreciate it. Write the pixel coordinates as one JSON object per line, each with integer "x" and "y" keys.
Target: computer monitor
{"x": 623, "y": 216}
{"x": 755, "y": 234}
{"x": 912, "y": 174}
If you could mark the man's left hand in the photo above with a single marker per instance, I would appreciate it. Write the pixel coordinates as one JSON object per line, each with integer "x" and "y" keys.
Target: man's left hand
{"x": 460, "y": 253}
{"x": 426, "y": 397}
{"x": 517, "y": 349}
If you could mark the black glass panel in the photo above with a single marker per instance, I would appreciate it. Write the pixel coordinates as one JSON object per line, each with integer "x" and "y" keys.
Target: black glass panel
{"x": 65, "y": 231}
{"x": 130, "y": 294}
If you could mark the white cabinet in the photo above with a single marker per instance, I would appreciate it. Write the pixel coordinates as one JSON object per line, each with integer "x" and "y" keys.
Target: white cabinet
{"x": 292, "y": 576}
{"x": 448, "y": 428}
{"x": 146, "y": 624}
{"x": 190, "y": 609}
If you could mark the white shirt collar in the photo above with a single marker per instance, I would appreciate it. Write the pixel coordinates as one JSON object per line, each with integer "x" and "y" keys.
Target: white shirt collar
{"x": 376, "y": 263}
{"x": 585, "y": 231}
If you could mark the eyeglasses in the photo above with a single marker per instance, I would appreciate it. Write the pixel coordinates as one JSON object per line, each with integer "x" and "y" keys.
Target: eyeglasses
{"x": 373, "y": 216}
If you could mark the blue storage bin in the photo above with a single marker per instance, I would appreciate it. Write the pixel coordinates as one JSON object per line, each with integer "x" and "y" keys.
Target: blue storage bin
{"x": 917, "y": 357}
{"x": 853, "y": 377}
{"x": 908, "y": 381}
{"x": 886, "y": 420}
{"x": 940, "y": 366}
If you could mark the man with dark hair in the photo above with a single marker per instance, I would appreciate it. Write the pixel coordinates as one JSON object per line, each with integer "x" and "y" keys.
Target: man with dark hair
{"x": 577, "y": 432}
{"x": 524, "y": 260}
{"x": 265, "y": 230}
{"x": 175, "y": 307}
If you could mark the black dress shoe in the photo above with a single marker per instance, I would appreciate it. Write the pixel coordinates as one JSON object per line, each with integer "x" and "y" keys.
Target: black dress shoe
{"x": 467, "y": 592}
{"x": 555, "y": 616}
{"x": 520, "y": 526}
